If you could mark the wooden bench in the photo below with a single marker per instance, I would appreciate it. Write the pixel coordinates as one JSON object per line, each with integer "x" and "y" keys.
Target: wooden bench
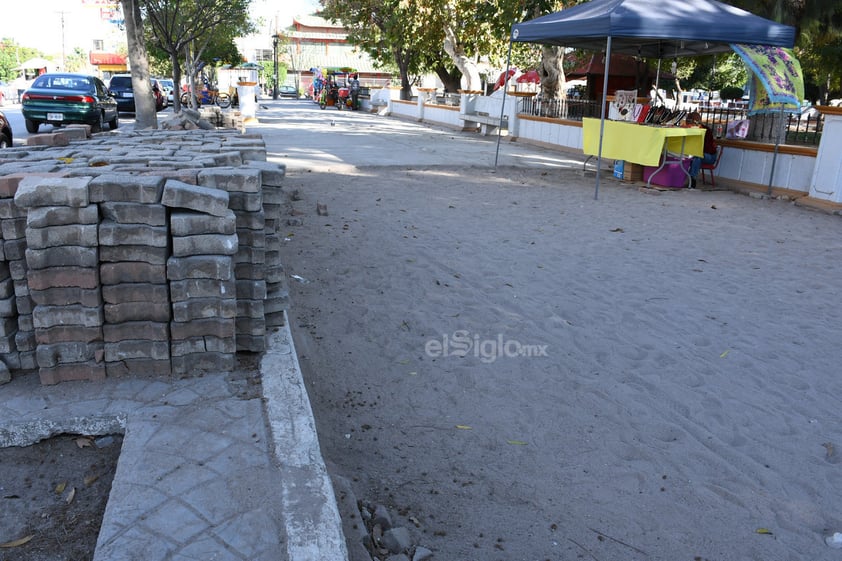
{"x": 488, "y": 124}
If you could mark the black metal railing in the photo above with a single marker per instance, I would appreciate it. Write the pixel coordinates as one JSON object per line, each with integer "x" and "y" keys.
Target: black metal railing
{"x": 803, "y": 129}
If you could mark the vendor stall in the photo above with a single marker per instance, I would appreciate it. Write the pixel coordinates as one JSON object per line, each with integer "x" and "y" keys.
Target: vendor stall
{"x": 653, "y": 29}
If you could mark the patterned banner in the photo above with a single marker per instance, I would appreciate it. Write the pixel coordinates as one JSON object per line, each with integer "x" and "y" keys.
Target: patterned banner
{"x": 776, "y": 78}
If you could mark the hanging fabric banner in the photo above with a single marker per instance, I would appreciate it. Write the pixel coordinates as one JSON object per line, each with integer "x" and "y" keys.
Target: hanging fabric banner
{"x": 777, "y": 82}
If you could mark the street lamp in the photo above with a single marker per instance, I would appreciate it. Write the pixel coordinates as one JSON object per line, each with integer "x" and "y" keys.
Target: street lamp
{"x": 275, "y": 62}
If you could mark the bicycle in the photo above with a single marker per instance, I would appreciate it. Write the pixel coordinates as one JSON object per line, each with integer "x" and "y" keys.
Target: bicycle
{"x": 212, "y": 97}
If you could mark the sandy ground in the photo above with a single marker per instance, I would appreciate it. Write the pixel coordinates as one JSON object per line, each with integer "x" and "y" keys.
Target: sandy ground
{"x": 531, "y": 374}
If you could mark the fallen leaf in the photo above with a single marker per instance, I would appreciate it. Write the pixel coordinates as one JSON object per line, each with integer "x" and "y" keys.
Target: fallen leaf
{"x": 66, "y": 160}
{"x": 724, "y": 354}
{"x": 18, "y": 542}
{"x": 71, "y": 495}
{"x": 60, "y": 487}
{"x": 464, "y": 427}
{"x": 765, "y": 531}
{"x": 619, "y": 230}
{"x": 517, "y": 442}
{"x": 84, "y": 442}
{"x": 97, "y": 164}
{"x": 830, "y": 450}
{"x": 90, "y": 480}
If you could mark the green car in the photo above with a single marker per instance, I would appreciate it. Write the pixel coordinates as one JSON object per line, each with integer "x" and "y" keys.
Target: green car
{"x": 60, "y": 99}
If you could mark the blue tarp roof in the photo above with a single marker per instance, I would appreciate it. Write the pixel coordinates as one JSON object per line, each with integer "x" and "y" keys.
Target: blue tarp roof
{"x": 654, "y": 28}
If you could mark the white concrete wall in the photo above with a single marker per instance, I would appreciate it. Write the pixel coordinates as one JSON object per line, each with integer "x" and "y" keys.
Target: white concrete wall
{"x": 826, "y": 181}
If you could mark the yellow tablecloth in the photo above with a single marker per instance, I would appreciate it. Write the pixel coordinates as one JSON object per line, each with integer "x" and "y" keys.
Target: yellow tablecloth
{"x": 641, "y": 144}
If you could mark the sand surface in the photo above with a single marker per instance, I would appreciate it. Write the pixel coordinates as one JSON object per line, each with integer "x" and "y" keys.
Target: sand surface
{"x": 531, "y": 374}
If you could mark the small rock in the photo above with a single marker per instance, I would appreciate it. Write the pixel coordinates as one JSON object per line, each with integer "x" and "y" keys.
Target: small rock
{"x": 422, "y": 554}
{"x": 396, "y": 540}
{"x": 295, "y": 222}
{"x": 381, "y": 517}
{"x": 295, "y": 195}
{"x": 104, "y": 441}
{"x": 5, "y": 375}
{"x": 834, "y": 541}
{"x": 321, "y": 209}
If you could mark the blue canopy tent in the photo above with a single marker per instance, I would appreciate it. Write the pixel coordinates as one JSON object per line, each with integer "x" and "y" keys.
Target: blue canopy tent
{"x": 652, "y": 29}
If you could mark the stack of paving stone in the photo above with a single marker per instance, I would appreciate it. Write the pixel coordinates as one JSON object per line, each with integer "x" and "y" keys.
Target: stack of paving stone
{"x": 152, "y": 312}
{"x": 201, "y": 276}
{"x": 133, "y": 240}
{"x": 243, "y": 186}
{"x": 277, "y": 291}
{"x": 63, "y": 277}
{"x": 17, "y": 334}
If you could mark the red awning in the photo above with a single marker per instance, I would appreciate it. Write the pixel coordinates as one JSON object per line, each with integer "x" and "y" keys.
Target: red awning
{"x": 98, "y": 59}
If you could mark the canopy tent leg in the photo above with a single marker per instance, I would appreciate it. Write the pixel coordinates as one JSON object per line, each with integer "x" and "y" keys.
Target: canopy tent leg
{"x": 503, "y": 107}
{"x": 775, "y": 153}
{"x": 602, "y": 118}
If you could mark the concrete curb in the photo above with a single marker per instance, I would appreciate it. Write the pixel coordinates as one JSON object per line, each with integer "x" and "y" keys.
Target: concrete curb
{"x": 316, "y": 530}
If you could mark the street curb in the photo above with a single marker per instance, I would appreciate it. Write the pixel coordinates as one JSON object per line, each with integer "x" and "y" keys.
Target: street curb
{"x": 313, "y": 525}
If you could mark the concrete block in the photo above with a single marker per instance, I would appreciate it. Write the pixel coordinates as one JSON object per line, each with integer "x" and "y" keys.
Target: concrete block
{"x": 134, "y": 213}
{"x": 35, "y": 191}
{"x": 204, "y": 244}
{"x": 49, "y": 355}
{"x": 246, "y": 180}
{"x": 193, "y": 223}
{"x": 91, "y": 370}
{"x": 251, "y": 289}
{"x": 14, "y": 249}
{"x": 200, "y": 267}
{"x": 195, "y": 197}
{"x": 52, "y": 236}
{"x": 115, "y": 187}
{"x": 79, "y": 277}
{"x": 68, "y": 333}
{"x": 134, "y": 253}
{"x": 65, "y": 296}
{"x": 117, "y": 234}
{"x": 201, "y": 308}
{"x": 197, "y": 363}
{"x": 137, "y": 348}
{"x": 214, "y": 327}
{"x": 250, "y": 202}
{"x": 62, "y": 256}
{"x": 145, "y": 330}
{"x": 129, "y": 272}
{"x": 201, "y": 288}
{"x": 44, "y": 317}
{"x": 271, "y": 173}
{"x": 137, "y": 311}
{"x": 13, "y": 228}
{"x": 8, "y": 208}
{"x": 40, "y": 217}
{"x": 135, "y": 292}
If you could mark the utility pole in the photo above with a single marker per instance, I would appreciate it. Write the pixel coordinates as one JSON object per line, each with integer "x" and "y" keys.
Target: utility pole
{"x": 63, "y": 55}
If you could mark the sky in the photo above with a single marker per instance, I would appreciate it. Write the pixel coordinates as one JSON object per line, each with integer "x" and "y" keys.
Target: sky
{"x": 83, "y": 22}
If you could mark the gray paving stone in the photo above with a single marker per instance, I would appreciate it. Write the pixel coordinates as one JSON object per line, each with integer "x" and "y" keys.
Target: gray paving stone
{"x": 191, "y": 223}
{"x": 178, "y": 194}
{"x": 201, "y": 288}
{"x": 135, "y": 292}
{"x": 74, "y": 314}
{"x": 116, "y": 187}
{"x": 118, "y": 234}
{"x": 35, "y": 191}
{"x": 62, "y": 216}
{"x": 199, "y": 308}
{"x": 245, "y": 180}
{"x": 147, "y": 330}
{"x": 134, "y": 253}
{"x": 52, "y": 236}
{"x": 132, "y": 272}
{"x": 54, "y": 354}
{"x": 62, "y": 256}
{"x": 200, "y": 267}
{"x": 134, "y": 213}
{"x": 204, "y": 244}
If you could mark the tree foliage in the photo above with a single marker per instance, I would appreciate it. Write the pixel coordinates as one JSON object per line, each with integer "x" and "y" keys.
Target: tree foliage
{"x": 192, "y": 30}
{"x": 11, "y": 55}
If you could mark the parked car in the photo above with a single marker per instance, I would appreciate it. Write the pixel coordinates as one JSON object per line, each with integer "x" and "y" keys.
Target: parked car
{"x": 121, "y": 88}
{"x": 62, "y": 98}
{"x": 288, "y": 91}
{"x": 167, "y": 88}
{"x": 5, "y": 132}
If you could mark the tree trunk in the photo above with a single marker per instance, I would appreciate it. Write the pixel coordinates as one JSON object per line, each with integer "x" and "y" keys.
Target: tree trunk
{"x": 146, "y": 116}
{"x": 176, "y": 79}
{"x": 402, "y": 61}
{"x": 465, "y": 65}
{"x": 552, "y": 73}
{"x": 452, "y": 82}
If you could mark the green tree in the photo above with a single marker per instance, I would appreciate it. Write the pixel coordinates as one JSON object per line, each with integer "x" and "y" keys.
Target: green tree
{"x": 11, "y": 55}
{"x": 193, "y": 30}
